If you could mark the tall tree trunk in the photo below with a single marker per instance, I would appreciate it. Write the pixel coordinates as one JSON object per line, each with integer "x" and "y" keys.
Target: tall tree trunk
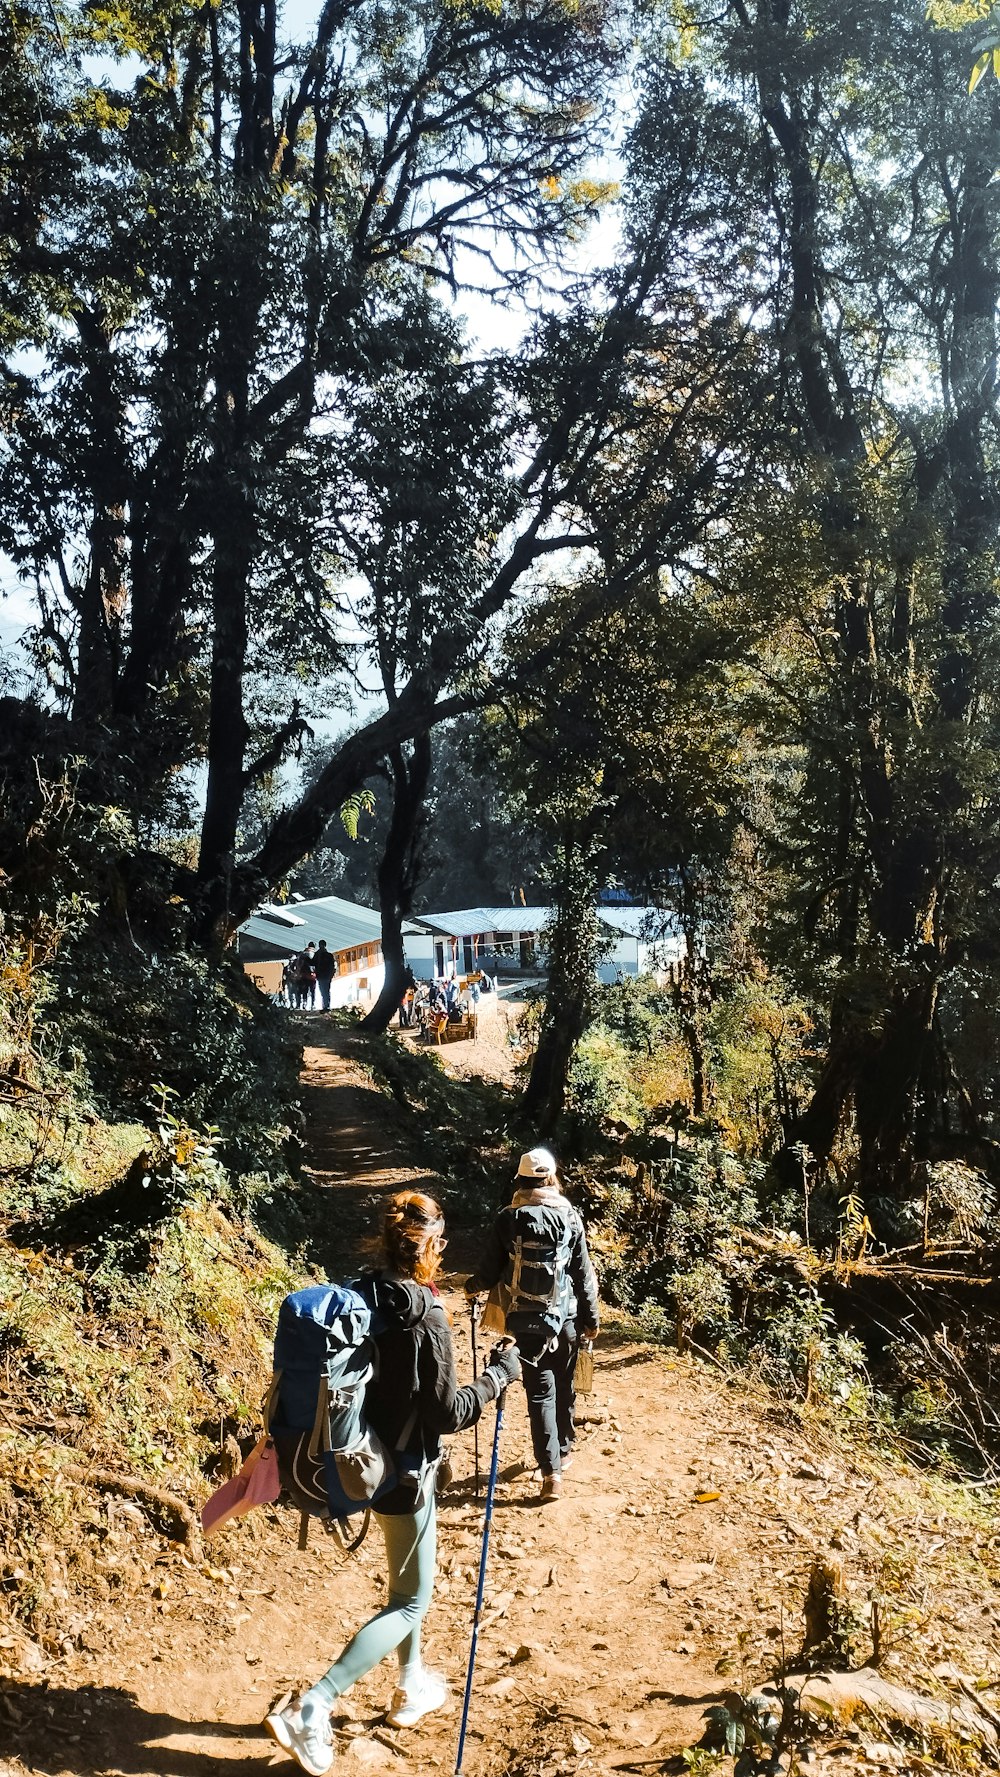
{"x": 233, "y": 554}
{"x": 399, "y": 869}
{"x": 236, "y": 470}
{"x": 103, "y": 597}
{"x": 227, "y": 737}
{"x": 693, "y": 991}
{"x": 887, "y": 1096}
{"x": 572, "y": 972}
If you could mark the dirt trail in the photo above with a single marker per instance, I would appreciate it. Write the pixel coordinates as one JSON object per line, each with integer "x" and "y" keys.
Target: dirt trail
{"x": 607, "y": 1614}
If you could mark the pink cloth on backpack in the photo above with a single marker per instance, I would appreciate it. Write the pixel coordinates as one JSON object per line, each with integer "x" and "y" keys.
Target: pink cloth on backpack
{"x": 257, "y": 1484}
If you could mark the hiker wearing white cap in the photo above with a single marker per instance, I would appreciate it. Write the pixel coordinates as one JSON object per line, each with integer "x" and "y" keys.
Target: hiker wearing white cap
{"x": 537, "y": 1253}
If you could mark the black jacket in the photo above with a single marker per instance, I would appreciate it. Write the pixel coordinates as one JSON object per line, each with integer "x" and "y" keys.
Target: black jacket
{"x": 417, "y": 1372}
{"x": 547, "y": 1217}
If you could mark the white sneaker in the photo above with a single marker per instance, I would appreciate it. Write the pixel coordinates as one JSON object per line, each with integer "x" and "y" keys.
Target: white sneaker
{"x": 305, "y": 1734}
{"x": 417, "y": 1700}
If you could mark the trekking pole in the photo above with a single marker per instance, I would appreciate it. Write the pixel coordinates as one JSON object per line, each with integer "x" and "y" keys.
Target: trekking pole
{"x": 474, "y": 1316}
{"x": 480, "y": 1589}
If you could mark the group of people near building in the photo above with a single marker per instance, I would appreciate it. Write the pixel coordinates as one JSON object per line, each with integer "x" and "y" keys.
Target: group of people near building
{"x": 426, "y": 1003}
{"x": 537, "y": 1270}
{"x": 307, "y": 976}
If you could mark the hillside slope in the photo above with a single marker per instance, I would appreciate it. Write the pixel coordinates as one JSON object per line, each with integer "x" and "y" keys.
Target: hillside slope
{"x": 614, "y": 1619}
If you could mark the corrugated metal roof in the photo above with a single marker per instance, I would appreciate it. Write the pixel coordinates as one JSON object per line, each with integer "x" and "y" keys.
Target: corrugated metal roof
{"x": 469, "y": 920}
{"x": 639, "y": 922}
{"x": 648, "y": 923}
{"x": 344, "y": 924}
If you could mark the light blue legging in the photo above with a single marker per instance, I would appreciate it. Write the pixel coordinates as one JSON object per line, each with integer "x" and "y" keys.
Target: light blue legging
{"x": 411, "y": 1554}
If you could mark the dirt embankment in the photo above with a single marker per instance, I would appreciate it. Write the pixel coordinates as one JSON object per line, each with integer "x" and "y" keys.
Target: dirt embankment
{"x": 673, "y": 1570}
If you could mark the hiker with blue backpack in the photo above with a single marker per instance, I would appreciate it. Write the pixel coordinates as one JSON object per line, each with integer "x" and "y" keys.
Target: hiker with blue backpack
{"x": 401, "y": 1401}
{"x": 536, "y": 1259}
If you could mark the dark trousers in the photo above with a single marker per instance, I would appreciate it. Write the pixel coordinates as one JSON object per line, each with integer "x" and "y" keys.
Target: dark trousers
{"x": 548, "y": 1385}
{"x": 324, "y": 984}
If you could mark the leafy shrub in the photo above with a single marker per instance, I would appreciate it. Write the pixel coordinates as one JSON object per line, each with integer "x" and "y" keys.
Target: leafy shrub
{"x": 132, "y": 1024}
{"x": 701, "y": 1301}
{"x": 601, "y": 1085}
{"x": 669, "y": 1246}
{"x": 637, "y": 1011}
{"x": 756, "y": 1035}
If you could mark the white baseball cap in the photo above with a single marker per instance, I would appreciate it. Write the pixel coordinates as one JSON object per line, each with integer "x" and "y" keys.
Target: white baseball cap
{"x": 537, "y": 1163}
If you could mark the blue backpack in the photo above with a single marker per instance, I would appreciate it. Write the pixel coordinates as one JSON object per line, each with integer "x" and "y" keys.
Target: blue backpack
{"x": 332, "y": 1463}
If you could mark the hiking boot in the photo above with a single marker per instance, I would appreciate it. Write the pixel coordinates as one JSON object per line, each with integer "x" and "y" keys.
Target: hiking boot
{"x": 305, "y": 1734}
{"x": 551, "y": 1488}
{"x": 409, "y": 1704}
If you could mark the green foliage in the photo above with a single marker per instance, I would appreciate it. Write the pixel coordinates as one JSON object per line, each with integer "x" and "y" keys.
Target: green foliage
{"x": 669, "y": 1249}
{"x": 133, "y": 1372}
{"x": 134, "y": 1027}
{"x": 638, "y": 1012}
{"x": 701, "y": 1302}
{"x": 701, "y": 1761}
{"x": 601, "y": 1085}
{"x": 758, "y": 1034}
{"x": 227, "y": 365}
{"x": 362, "y": 802}
{"x": 958, "y": 15}
{"x": 480, "y": 846}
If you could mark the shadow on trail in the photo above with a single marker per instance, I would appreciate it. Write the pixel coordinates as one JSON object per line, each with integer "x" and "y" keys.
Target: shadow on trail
{"x": 628, "y": 1359}
{"x": 463, "y": 1492}
{"x": 354, "y": 1152}
{"x": 345, "y": 1129}
{"x": 346, "y": 1233}
{"x": 679, "y": 1699}
{"x": 98, "y": 1728}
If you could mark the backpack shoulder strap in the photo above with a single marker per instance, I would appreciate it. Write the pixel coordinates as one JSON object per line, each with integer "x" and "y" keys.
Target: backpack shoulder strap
{"x": 270, "y": 1401}
{"x": 320, "y": 1436}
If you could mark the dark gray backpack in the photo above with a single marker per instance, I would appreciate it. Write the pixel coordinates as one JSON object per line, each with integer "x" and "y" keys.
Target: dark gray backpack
{"x": 537, "y": 1288}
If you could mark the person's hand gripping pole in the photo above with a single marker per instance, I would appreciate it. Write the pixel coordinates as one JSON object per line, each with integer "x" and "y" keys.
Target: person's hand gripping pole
{"x": 505, "y": 1366}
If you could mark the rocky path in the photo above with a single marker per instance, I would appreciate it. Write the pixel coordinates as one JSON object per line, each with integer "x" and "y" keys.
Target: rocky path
{"x": 674, "y": 1566}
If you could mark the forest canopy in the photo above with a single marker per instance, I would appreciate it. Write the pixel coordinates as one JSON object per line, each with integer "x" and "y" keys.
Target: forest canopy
{"x": 706, "y": 557}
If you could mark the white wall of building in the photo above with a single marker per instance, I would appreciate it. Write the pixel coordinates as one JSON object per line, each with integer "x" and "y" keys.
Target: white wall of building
{"x": 623, "y": 959}
{"x": 359, "y": 988}
{"x": 419, "y": 948}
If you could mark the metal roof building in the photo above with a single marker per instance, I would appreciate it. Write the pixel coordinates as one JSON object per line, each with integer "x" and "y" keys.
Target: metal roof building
{"x": 469, "y": 921}
{"x": 508, "y": 939}
{"x": 289, "y": 926}
{"x": 352, "y": 933}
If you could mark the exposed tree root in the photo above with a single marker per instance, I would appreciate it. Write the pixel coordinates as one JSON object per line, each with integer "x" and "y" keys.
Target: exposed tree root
{"x": 839, "y": 1696}
{"x": 144, "y": 1491}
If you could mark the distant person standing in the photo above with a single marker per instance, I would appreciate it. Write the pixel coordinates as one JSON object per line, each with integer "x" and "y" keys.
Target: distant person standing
{"x": 297, "y": 973}
{"x": 309, "y": 981}
{"x": 324, "y": 965}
